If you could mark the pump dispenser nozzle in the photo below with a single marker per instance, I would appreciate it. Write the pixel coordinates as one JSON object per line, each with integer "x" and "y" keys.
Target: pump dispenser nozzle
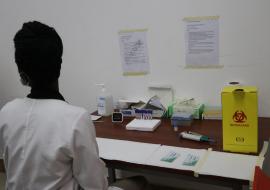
{"x": 102, "y": 86}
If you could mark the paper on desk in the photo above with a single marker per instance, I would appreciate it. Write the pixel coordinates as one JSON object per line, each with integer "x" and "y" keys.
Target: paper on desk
{"x": 184, "y": 161}
{"x": 95, "y": 117}
{"x": 128, "y": 151}
{"x": 230, "y": 165}
{"x": 130, "y": 101}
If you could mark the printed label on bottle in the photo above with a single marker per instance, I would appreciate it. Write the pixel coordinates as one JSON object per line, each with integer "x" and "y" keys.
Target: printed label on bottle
{"x": 101, "y": 105}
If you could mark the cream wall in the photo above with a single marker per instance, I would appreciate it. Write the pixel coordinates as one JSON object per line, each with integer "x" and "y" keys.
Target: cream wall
{"x": 89, "y": 29}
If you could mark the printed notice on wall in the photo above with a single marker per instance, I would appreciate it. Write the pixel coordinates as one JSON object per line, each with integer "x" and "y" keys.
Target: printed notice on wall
{"x": 134, "y": 53}
{"x": 202, "y": 42}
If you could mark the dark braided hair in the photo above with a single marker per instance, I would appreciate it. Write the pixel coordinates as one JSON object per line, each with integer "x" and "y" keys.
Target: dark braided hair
{"x": 38, "y": 52}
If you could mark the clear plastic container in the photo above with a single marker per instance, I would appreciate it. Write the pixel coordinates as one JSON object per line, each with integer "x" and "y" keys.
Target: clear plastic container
{"x": 104, "y": 102}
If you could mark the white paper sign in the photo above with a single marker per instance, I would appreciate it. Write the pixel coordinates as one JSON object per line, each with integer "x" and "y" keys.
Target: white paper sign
{"x": 202, "y": 42}
{"x": 134, "y": 53}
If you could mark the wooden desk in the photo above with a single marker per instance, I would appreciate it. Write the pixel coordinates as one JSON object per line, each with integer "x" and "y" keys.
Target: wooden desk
{"x": 165, "y": 135}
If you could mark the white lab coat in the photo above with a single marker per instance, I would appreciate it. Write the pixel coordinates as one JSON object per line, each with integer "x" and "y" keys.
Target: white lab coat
{"x": 48, "y": 144}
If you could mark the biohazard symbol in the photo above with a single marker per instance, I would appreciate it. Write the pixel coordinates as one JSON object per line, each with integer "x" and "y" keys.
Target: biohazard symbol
{"x": 239, "y": 117}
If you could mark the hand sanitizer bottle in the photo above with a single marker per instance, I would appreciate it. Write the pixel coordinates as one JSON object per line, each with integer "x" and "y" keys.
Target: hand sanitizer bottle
{"x": 104, "y": 102}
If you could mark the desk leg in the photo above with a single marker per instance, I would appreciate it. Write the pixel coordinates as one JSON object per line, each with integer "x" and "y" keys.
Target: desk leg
{"x": 112, "y": 178}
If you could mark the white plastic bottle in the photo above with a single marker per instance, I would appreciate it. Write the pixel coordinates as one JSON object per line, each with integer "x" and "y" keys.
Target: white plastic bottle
{"x": 104, "y": 102}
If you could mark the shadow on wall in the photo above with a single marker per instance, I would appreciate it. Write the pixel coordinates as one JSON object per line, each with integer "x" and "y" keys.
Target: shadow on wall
{"x": 2, "y": 181}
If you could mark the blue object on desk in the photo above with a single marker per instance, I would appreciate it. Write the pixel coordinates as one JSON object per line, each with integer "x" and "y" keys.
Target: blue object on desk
{"x": 143, "y": 113}
{"x": 128, "y": 112}
{"x": 181, "y": 119}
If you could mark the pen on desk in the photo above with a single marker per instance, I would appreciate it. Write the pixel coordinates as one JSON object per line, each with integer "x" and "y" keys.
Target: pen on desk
{"x": 195, "y": 136}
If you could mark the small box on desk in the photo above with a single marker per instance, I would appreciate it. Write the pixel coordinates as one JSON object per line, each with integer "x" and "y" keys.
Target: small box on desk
{"x": 143, "y": 124}
{"x": 240, "y": 119}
